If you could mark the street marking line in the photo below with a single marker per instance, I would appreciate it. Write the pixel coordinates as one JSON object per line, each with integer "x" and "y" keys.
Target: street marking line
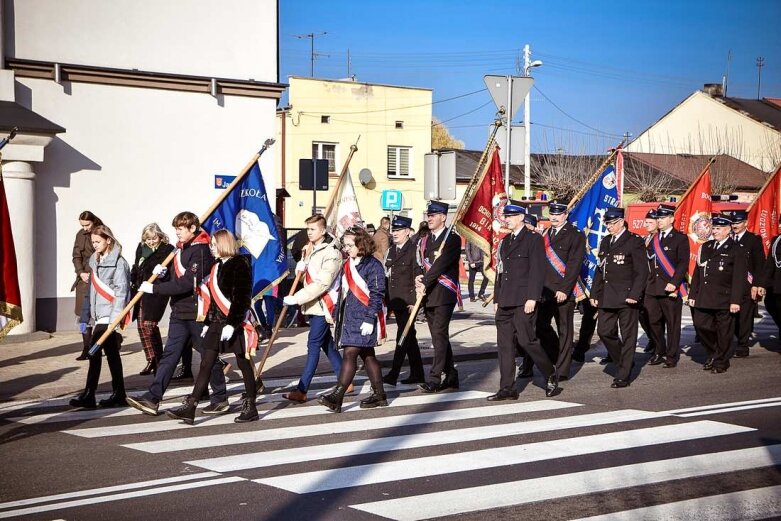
{"x": 351, "y": 426}
{"x": 273, "y": 414}
{"x": 428, "y": 439}
{"x": 729, "y": 409}
{"x": 723, "y": 405}
{"x": 758, "y": 503}
{"x": 514, "y": 493}
{"x": 371, "y": 474}
{"x": 118, "y": 497}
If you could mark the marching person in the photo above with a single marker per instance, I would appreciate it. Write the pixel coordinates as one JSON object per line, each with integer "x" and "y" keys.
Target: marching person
{"x": 104, "y": 301}
{"x": 622, "y": 273}
{"x": 382, "y": 239}
{"x": 321, "y": 262}
{"x": 565, "y": 250}
{"x": 439, "y": 253}
{"x": 402, "y": 268}
{"x": 474, "y": 258}
{"x": 752, "y": 245}
{"x": 151, "y": 251}
{"x": 530, "y": 221}
{"x": 520, "y": 277}
{"x": 192, "y": 262}
{"x": 666, "y": 287}
{"x": 361, "y": 324}
{"x": 771, "y": 280}
{"x": 651, "y": 225}
{"x": 718, "y": 288}
{"x": 82, "y": 251}
{"x": 225, "y": 297}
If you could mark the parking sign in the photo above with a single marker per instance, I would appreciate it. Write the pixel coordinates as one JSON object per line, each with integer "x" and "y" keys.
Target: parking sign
{"x": 391, "y": 200}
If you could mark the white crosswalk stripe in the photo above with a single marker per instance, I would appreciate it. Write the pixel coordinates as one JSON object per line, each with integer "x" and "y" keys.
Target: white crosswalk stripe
{"x": 446, "y": 436}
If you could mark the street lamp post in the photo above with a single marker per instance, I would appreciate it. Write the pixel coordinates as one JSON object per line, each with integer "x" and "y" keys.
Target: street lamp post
{"x": 527, "y": 64}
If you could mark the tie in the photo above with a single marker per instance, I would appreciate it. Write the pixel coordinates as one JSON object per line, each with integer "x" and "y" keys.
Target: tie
{"x": 553, "y": 233}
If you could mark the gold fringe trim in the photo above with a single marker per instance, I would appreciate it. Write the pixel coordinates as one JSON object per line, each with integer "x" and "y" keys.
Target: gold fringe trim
{"x": 14, "y": 315}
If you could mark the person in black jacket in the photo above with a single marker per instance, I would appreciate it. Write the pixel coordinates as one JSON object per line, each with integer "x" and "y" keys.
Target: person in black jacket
{"x": 622, "y": 272}
{"x": 771, "y": 281}
{"x": 151, "y": 251}
{"x": 227, "y": 326}
{"x": 666, "y": 287}
{"x": 752, "y": 246}
{"x": 520, "y": 276}
{"x": 718, "y": 288}
{"x": 565, "y": 250}
{"x": 402, "y": 268}
{"x": 440, "y": 254}
{"x": 192, "y": 262}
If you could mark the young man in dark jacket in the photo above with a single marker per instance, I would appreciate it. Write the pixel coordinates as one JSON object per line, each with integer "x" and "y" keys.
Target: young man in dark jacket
{"x": 192, "y": 262}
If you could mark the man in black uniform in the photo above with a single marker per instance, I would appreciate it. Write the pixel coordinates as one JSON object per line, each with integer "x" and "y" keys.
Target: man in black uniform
{"x": 771, "y": 281}
{"x": 752, "y": 245}
{"x": 402, "y": 268}
{"x": 565, "y": 250}
{"x": 440, "y": 254}
{"x": 667, "y": 286}
{"x": 520, "y": 276}
{"x": 651, "y": 226}
{"x": 622, "y": 272}
{"x": 718, "y": 288}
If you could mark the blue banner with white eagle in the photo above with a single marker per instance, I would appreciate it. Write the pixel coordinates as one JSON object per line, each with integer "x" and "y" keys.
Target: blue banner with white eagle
{"x": 246, "y": 213}
{"x": 588, "y": 215}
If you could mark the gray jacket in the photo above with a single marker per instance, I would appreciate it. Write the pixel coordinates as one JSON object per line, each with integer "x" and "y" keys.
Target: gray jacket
{"x": 474, "y": 255}
{"x": 114, "y": 272}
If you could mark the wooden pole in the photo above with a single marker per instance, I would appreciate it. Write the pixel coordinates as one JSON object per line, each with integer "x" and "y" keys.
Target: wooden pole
{"x": 342, "y": 175}
{"x": 130, "y": 305}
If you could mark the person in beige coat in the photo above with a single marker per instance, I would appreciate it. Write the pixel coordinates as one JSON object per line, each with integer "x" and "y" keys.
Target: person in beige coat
{"x": 321, "y": 265}
{"x": 382, "y": 239}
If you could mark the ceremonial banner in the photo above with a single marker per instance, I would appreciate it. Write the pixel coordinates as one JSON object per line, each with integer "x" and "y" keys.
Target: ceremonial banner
{"x": 10, "y": 297}
{"x": 693, "y": 213}
{"x": 343, "y": 212}
{"x": 764, "y": 211}
{"x": 246, "y": 213}
{"x": 481, "y": 221}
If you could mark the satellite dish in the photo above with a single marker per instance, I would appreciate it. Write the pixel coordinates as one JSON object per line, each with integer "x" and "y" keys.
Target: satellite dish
{"x": 365, "y": 176}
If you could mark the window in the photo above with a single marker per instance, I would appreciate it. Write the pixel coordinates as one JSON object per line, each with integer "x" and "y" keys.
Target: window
{"x": 399, "y": 162}
{"x": 325, "y": 151}
{"x": 325, "y": 119}
{"x": 399, "y": 124}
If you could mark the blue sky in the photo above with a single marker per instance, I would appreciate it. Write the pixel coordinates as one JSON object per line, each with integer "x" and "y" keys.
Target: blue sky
{"x": 609, "y": 67}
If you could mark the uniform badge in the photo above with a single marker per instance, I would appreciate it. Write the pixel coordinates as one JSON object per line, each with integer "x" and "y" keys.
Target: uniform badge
{"x": 194, "y": 268}
{"x": 619, "y": 258}
{"x": 666, "y": 248}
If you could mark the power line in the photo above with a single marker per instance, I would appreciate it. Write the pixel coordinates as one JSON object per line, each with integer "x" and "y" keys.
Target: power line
{"x": 398, "y": 108}
{"x": 464, "y": 114}
{"x": 573, "y": 118}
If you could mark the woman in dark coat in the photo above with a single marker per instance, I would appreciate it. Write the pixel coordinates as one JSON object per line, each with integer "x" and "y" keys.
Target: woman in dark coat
{"x": 361, "y": 324}
{"x": 82, "y": 250}
{"x": 226, "y": 294}
{"x": 151, "y": 251}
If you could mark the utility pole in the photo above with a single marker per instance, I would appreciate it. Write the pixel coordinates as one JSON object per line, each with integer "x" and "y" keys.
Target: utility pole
{"x": 760, "y": 64}
{"x": 349, "y": 65}
{"x": 312, "y": 54}
{"x": 526, "y": 115}
{"x": 726, "y": 75}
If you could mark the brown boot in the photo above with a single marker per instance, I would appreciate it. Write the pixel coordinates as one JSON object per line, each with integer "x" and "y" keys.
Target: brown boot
{"x": 295, "y": 396}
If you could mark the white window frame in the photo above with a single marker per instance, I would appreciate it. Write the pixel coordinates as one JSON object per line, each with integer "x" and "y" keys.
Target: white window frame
{"x": 319, "y": 145}
{"x": 398, "y": 149}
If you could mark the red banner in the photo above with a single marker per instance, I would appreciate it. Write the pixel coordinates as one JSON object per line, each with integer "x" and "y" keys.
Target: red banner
{"x": 10, "y": 298}
{"x": 481, "y": 221}
{"x": 692, "y": 216}
{"x": 764, "y": 211}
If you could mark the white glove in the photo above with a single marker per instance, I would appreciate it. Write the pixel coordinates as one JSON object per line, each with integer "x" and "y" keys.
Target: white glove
{"x": 227, "y": 333}
{"x": 204, "y": 330}
{"x": 146, "y": 287}
{"x": 300, "y": 266}
{"x": 289, "y": 300}
{"x": 366, "y": 329}
{"x": 159, "y": 270}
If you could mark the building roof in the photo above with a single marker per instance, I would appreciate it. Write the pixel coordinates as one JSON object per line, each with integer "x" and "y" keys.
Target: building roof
{"x": 774, "y": 101}
{"x": 764, "y": 110}
{"x": 466, "y": 165}
{"x": 684, "y": 168}
{"x": 14, "y": 115}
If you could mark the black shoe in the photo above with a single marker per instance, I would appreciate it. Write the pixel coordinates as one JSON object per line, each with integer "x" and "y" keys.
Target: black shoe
{"x": 376, "y": 399}
{"x": 670, "y": 364}
{"x": 606, "y": 360}
{"x": 249, "y": 413}
{"x": 708, "y": 365}
{"x": 472, "y": 299}
{"x": 503, "y": 394}
{"x": 86, "y": 400}
{"x": 429, "y": 387}
{"x": 619, "y": 383}
{"x": 149, "y": 369}
{"x": 334, "y": 399}
{"x": 656, "y": 360}
{"x": 450, "y": 381}
{"x": 413, "y": 380}
{"x": 741, "y": 354}
{"x": 147, "y": 407}
{"x": 186, "y": 412}
{"x": 718, "y": 370}
{"x": 183, "y": 374}
{"x": 216, "y": 408}
{"x": 83, "y": 356}
{"x": 650, "y": 348}
{"x": 578, "y": 357}
{"x": 389, "y": 379}
{"x": 115, "y": 400}
{"x": 552, "y": 386}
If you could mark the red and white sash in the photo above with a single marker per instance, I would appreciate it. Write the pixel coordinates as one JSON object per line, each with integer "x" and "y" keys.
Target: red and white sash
{"x": 357, "y": 285}
{"x": 444, "y": 280}
{"x": 329, "y": 298}
{"x": 179, "y": 269}
{"x": 105, "y": 291}
{"x": 209, "y": 290}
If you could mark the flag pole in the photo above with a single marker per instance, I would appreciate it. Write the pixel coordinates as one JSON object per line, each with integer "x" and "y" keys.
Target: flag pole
{"x": 130, "y": 305}
{"x": 594, "y": 177}
{"x": 283, "y": 312}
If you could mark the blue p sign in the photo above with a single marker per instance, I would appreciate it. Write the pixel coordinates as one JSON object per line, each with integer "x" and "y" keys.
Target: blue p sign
{"x": 391, "y": 200}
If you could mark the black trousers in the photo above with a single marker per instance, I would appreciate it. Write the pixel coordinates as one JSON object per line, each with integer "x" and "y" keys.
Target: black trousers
{"x": 621, "y": 342}
{"x": 111, "y": 349}
{"x": 438, "y": 320}
{"x": 715, "y": 327}
{"x": 514, "y": 325}
{"x": 744, "y": 324}
{"x": 409, "y": 349}
{"x": 557, "y": 343}
{"x": 773, "y": 306}
{"x": 665, "y": 312}
{"x": 472, "y": 274}
{"x": 588, "y": 325}
{"x": 645, "y": 323}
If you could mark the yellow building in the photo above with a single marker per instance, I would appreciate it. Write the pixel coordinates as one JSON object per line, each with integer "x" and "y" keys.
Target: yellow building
{"x": 325, "y": 117}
